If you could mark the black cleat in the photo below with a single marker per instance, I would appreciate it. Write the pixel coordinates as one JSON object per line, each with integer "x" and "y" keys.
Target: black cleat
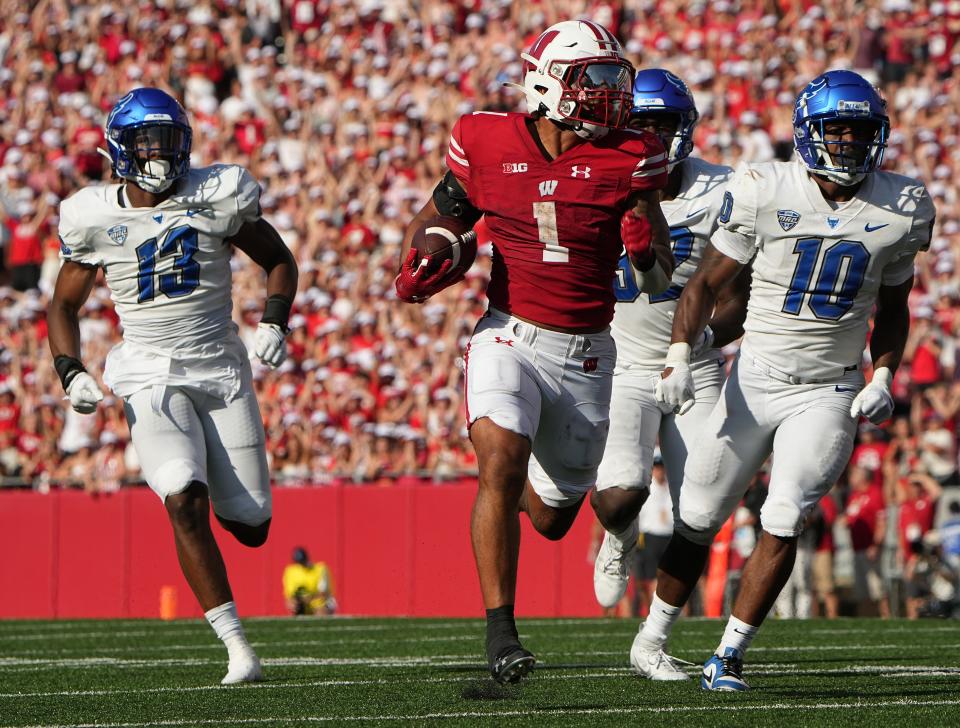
{"x": 511, "y": 664}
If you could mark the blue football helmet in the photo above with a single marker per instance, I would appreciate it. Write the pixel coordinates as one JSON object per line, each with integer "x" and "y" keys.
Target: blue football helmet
{"x": 657, "y": 91}
{"x": 840, "y": 96}
{"x": 148, "y": 139}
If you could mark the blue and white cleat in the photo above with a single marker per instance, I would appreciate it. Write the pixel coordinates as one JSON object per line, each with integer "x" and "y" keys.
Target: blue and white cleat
{"x": 724, "y": 673}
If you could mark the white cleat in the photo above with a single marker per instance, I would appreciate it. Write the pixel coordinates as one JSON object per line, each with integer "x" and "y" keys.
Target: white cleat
{"x": 655, "y": 664}
{"x": 610, "y": 568}
{"x": 243, "y": 669}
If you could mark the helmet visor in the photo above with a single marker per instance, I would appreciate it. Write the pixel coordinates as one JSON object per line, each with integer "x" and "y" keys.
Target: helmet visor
{"x": 155, "y": 143}
{"x": 598, "y": 92}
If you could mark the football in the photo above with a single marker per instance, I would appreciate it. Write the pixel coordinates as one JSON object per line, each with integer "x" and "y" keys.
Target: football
{"x": 447, "y": 238}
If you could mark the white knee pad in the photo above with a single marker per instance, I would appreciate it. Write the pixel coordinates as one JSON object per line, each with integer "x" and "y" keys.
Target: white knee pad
{"x": 703, "y": 533}
{"x": 248, "y": 509}
{"x": 780, "y": 516}
{"x": 174, "y": 476}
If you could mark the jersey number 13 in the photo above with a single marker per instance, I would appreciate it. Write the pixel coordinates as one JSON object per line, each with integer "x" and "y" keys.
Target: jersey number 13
{"x": 180, "y": 242}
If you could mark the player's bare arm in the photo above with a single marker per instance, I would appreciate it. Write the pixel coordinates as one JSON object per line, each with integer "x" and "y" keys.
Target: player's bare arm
{"x": 656, "y": 265}
{"x": 701, "y": 294}
{"x": 676, "y": 388}
{"x": 72, "y": 289}
{"x": 263, "y": 244}
{"x": 891, "y": 328}
{"x": 426, "y": 212}
{"x": 730, "y": 310}
{"x": 73, "y": 286}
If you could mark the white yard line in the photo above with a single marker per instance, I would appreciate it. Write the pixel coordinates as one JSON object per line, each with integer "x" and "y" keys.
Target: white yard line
{"x": 858, "y": 705}
{"x": 573, "y": 674}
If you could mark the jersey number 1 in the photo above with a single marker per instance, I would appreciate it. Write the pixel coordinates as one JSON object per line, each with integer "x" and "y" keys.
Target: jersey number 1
{"x": 181, "y": 242}
{"x": 545, "y": 214}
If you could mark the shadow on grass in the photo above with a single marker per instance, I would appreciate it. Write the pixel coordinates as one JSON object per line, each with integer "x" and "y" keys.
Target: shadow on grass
{"x": 489, "y": 690}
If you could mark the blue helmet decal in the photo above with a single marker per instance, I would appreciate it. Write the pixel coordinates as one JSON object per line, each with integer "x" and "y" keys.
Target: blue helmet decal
{"x": 149, "y": 139}
{"x": 840, "y": 96}
{"x": 657, "y": 91}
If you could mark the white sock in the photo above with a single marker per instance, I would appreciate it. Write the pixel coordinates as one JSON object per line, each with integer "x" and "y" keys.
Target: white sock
{"x": 226, "y": 624}
{"x": 738, "y": 635}
{"x": 622, "y": 537}
{"x": 656, "y": 629}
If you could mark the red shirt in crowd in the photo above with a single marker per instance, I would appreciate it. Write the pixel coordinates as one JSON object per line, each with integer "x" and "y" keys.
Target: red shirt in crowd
{"x": 828, "y": 509}
{"x": 863, "y": 511}
{"x": 9, "y": 414}
{"x": 25, "y": 246}
{"x": 916, "y": 518}
{"x": 869, "y": 455}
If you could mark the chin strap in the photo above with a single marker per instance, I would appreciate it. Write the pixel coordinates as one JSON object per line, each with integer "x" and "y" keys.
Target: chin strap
{"x": 844, "y": 179}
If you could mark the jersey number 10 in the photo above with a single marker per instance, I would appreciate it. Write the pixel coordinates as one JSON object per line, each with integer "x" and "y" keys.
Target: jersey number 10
{"x": 185, "y": 277}
{"x": 841, "y": 275}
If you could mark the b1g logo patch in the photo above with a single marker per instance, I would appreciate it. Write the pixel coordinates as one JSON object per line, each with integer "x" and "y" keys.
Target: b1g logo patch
{"x": 788, "y": 219}
{"x": 590, "y": 365}
{"x": 118, "y": 234}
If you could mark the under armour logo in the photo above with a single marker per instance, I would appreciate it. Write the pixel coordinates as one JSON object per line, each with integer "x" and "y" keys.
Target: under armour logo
{"x": 548, "y": 187}
{"x": 576, "y": 171}
{"x": 590, "y": 365}
{"x": 508, "y": 342}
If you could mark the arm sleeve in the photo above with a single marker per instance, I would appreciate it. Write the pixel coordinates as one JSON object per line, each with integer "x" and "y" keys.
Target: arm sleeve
{"x": 457, "y": 159}
{"x": 650, "y": 172}
{"x": 737, "y": 235}
{"x": 74, "y": 243}
{"x": 248, "y": 201}
{"x": 900, "y": 268}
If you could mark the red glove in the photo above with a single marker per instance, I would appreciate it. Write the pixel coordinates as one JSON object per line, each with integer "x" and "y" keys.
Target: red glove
{"x": 414, "y": 285}
{"x": 638, "y": 241}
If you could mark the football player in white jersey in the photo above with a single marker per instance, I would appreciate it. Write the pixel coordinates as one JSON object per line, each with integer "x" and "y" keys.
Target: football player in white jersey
{"x": 663, "y": 105}
{"x": 829, "y": 237}
{"x": 164, "y": 237}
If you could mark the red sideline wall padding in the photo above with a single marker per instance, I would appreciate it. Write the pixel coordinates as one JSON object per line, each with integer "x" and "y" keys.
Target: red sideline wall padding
{"x": 400, "y": 550}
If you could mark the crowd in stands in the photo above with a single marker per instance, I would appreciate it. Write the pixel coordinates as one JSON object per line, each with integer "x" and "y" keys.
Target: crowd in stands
{"x": 342, "y": 109}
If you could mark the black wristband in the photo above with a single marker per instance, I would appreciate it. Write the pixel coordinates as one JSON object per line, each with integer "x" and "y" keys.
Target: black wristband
{"x": 277, "y": 312}
{"x": 67, "y": 368}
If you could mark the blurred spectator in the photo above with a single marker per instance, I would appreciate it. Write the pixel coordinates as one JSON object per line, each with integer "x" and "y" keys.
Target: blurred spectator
{"x": 307, "y": 587}
{"x": 866, "y": 519}
{"x": 949, "y": 533}
{"x": 824, "y": 586}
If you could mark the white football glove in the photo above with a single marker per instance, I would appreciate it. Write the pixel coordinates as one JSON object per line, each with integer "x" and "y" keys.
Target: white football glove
{"x": 271, "y": 345}
{"x": 84, "y": 394}
{"x": 875, "y": 401}
{"x": 675, "y": 391}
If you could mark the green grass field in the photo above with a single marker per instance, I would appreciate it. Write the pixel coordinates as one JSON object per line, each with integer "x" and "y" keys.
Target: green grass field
{"x": 375, "y": 671}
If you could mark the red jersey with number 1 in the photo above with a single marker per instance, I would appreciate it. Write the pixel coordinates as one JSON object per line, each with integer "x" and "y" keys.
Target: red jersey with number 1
{"x": 555, "y": 223}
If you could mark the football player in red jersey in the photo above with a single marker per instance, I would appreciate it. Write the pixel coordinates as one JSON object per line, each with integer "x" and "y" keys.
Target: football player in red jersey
{"x": 564, "y": 189}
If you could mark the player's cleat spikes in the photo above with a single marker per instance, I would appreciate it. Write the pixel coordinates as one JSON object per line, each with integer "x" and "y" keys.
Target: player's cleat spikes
{"x": 610, "y": 568}
{"x": 654, "y": 664}
{"x": 511, "y": 664}
{"x": 724, "y": 672}
{"x": 245, "y": 668}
